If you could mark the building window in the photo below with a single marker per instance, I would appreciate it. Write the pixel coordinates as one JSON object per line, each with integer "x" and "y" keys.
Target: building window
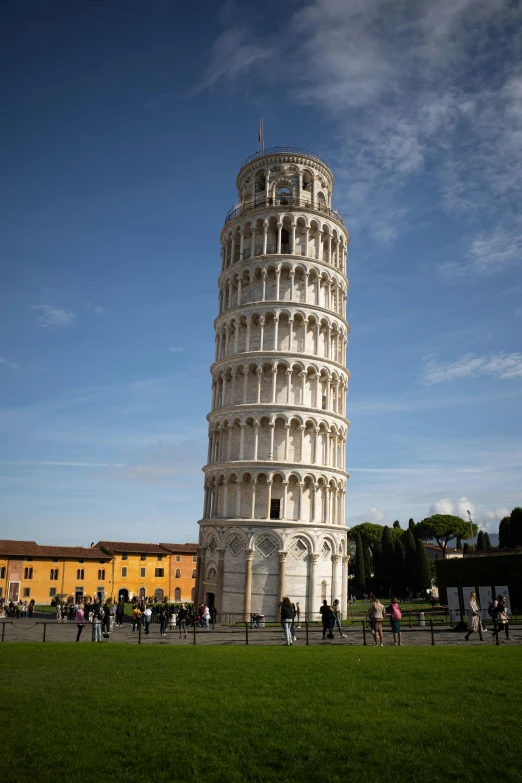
{"x": 143, "y": 557}
{"x": 275, "y": 508}
{"x": 177, "y": 594}
{"x": 158, "y": 572}
{"x": 79, "y": 574}
{"x": 160, "y": 558}
{"x": 178, "y": 573}
{"x": 2, "y": 572}
{"x": 53, "y": 576}
{"x": 178, "y": 558}
{"x": 28, "y": 573}
{"x": 101, "y": 574}
{"x": 193, "y": 573}
{"x": 52, "y": 592}
{"x": 124, "y": 557}
{"x": 194, "y": 558}
{"x": 142, "y": 572}
{"x": 124, "y": 571}
{"x": 27, "y": 592}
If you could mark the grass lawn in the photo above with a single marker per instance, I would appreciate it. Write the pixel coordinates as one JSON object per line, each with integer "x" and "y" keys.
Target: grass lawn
{"x": 86, "y": 712}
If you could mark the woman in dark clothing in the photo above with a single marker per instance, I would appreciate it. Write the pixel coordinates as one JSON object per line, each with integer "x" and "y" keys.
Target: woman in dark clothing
{"x": 328, "y": 619}
{"x": 286, "y": 619}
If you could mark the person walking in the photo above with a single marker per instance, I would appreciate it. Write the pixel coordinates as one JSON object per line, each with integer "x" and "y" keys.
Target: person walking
{"x": 206, "y": 616}
{"x": 377, "y": 612}
{"x": 503, "y": 616}
{"x": 182, "y": 621}
{"x": 136, "y": 618}
{"x": 395, "y": 621}
{"x": 286, "y": 619}
{"x": 298, "y": 614}
{"x": 97, "y": 620}
{"x": 474, "y": 619}
{"x": 163, "y": 621}
{"x": 337, "y": 617}
{"x": 327, "y": 619}
{"x": 147, "y": 616}
{"x": 120, "y": 612}
{"x": 80, "y": 621}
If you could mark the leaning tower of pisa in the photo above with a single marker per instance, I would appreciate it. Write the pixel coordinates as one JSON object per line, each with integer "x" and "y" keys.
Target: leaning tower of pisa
{"x": 275, "y": 481}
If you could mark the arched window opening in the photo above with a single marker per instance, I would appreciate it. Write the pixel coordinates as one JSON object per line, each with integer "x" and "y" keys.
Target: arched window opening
{"x": 307, "y": 181}
{"x": 285, "y": 241}
{"x": 177, "y": 594}
{"x": 283, "y": 195}
{"x": 178, "y": 573}
{"x": 159, "y": 595}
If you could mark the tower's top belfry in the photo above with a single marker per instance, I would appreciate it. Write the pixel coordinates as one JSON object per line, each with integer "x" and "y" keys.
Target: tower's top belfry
{"x": 285, "y": 176}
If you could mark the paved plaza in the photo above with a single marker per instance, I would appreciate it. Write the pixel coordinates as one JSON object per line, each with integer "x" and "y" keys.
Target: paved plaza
{"x": 32, "y": 630}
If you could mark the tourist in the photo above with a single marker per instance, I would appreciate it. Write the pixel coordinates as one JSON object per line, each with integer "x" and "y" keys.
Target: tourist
{"x": 120, "y": 613}
{"x": 292, "y": 626}
{"x": 376, "y": 614}
{"x": 298, "y": 614}
{"x": 136, "y": 618}
{"x": 163, "y": 621}
{"x": 147, "y": 616}
{"x": 474, "y": 621}
{"x": 206, "y": 616}
{"x": 395, "y": 621}
{"x": 80, "y": 621}
{"x": 97, "y": 620}
{"x": 58, "y": 613}
{"x": 106, "y": 623}
{"x": 327, "y": 619}
{"x": 31, "y": 607}
{"x": 286, "y": 619}
{"x": 337, "y": 617}
{"x": 502, "y": 616}
{"x": 182, "y": 621}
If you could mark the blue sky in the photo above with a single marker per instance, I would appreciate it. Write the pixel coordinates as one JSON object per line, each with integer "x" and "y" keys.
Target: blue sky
{"x": 125, "y": 124}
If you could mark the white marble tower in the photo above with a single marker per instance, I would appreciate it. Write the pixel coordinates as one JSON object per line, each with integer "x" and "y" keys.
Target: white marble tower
{"x": 275, "y": 481}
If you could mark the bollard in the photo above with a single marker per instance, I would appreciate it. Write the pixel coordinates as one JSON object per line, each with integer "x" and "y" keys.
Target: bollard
{"x": 139, "y": 633}
{"x": 432, "y": 634}
{"x": 45, "y": 630}
{"x": 364, "y": 632}
{"x": 246, "y": 632}
{"x": 194, "y": 642}
{"x": 306, "y": 628}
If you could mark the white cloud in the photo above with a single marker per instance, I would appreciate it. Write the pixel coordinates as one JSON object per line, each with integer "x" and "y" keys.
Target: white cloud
{"x": 233, "y": 55}
{"x": 457, "y": 508}
{"x": 372, "y": 514}
{"x": 502, "y": 366}
{"x": 7, "y": 363}
{"x": 488, "y": 253}
{"x": 53, "y": 316}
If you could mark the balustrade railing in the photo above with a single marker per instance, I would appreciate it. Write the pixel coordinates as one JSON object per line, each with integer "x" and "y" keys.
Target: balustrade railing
{"x": 287, "y": 203}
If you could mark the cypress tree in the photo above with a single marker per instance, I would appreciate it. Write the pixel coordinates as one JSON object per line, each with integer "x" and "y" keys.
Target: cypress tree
{"x": 422, "y": 568}
{"x": 377, "y": 557}
{"x": 481, "y": 542}
{"x": 367, "y": 562}
{"x": 399, "y": 567}
{"x": 411, "y": 524}
{"x": 387, "y": 571}
{"x": 504, "y": 533}
{"x": 409, "y": 558}
{"x": 488, "y": 542}
{"x": 458, "y": 545}
{"x": 515, "y": 526}
{"x": 397, "y": 524}
{"x": 360, "y": 579}
{"x": 465, "y": 548}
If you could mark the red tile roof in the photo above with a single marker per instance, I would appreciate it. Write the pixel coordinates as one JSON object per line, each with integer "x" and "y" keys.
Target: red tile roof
{"x": 32, "y": 549}
{"x": 188, "y": 549}
{"x": 131, "y": 547}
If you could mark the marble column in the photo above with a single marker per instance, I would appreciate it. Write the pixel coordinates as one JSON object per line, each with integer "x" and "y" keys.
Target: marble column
{"x": 247, "y": 604}
{"x": 344, "y": 590}
{"x": 336, "y": 561}
{"x": 281, "y": 581}
{"x": 313, "y": 607}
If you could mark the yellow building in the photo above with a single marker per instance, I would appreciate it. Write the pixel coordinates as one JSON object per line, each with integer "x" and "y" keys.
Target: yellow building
{"x": 109, "y": 569}
{"x": 157, "y": 571}
{"x": 30, "y": 571}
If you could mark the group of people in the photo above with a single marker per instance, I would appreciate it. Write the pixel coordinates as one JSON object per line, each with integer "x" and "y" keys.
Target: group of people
{"x": 497, "y": 610}
{"x": 20, "y": 609}
{"x": 376, "y": 615}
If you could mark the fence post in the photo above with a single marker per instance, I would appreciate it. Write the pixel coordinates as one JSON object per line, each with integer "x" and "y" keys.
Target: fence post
{"x": 306, "y": 627}
{"x": 364, "y": 631}
{"x": 194, "y": 642}
{"x": 3, "y": 630}
{"x": 496, "y": 633}
{"x": 432, "y": 634}
{"x": 246, "y": 632}
{"x": 139, "y": 633}
{"x": 45, "y": 629}
{"x": 409, "y": 613}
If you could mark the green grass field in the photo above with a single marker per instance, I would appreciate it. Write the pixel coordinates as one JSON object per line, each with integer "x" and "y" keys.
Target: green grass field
{"x": 75, "y": 713}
